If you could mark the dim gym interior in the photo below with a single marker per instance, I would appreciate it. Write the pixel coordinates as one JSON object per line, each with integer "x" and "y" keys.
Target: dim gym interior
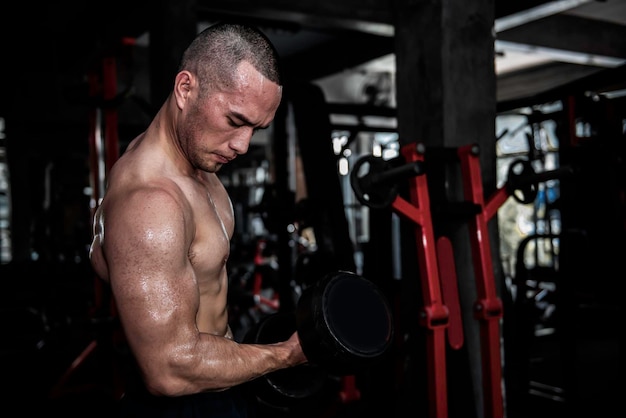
{"x": 438, "y": 208}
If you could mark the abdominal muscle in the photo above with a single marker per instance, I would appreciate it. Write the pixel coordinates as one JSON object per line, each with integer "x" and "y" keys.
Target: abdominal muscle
{"x": 209, "y": 254}
{"x": 212, "y": 316}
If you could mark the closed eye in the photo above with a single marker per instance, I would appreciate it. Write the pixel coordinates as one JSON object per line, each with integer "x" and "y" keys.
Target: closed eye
{"x": 238, "y": 120}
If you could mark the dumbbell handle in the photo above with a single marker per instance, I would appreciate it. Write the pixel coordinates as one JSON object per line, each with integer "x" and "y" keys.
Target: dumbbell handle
{"x": 394, "y": 174}
{"x": 559, "y": 173}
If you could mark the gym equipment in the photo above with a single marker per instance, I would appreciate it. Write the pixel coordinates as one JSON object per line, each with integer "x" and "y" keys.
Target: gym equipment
{"x": 284, "y": 388}
{"x": 103, "y": 142}
{"x": 375, "y": 189}
{"x": 375, "y": 181}
{"x": 488, "y": 306}
{"x": 261, "y": 301}
{"x": 344, "y": 324}
{"x": 522, "y": 179}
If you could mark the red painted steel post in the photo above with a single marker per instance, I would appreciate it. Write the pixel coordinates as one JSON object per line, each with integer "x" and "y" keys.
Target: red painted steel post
{"x": 488, "y": 307}
{"x": 434, "y": 316}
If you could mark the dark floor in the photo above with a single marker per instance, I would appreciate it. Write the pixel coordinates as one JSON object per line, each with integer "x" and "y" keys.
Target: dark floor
{"x": 56, "y": 359}
{"x": 35, "y": 378}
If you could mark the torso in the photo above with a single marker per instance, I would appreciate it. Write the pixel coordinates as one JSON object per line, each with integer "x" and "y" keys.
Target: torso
{"x": 209, "y": 251}
{"x": 211, "y": 215}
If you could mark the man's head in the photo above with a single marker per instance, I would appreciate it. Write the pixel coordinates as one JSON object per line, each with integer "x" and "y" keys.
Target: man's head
{"x": 228, "y": 86}
{"x": 218, "y": 49}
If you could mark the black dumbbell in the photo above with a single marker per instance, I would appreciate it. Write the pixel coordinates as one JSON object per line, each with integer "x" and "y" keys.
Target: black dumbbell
{"x": 344, "y": 324}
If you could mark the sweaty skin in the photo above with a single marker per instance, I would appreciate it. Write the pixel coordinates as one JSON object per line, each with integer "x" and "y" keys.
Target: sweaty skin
{"x": 162, "y": 238}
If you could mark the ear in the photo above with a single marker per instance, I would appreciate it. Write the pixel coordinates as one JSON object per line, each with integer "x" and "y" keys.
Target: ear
{"x": 183, "y": 86}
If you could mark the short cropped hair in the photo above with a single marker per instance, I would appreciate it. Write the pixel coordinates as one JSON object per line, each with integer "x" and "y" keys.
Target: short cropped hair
{"x": 217, "y": 50}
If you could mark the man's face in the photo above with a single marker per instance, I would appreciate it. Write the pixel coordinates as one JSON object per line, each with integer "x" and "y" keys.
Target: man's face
{"x": 219, "y": 127}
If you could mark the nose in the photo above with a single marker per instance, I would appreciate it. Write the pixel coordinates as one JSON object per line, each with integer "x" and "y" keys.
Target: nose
{"x": 240, "y": 142}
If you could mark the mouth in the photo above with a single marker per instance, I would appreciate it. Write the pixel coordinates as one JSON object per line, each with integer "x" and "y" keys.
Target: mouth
{"x": 223, "y": 159}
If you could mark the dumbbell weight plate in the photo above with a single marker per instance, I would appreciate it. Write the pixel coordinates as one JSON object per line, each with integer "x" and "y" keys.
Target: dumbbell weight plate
{"x": 368, "y": 191}
{"x": 344, "y": 323}
{"x": 519, "y": 182}
{"x": 285, "y": 387}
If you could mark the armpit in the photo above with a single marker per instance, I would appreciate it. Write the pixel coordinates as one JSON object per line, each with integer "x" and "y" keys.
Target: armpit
{"x": 229, "y": 333}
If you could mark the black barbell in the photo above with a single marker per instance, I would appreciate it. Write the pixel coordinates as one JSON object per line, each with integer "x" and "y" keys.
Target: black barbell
{"x": 375, "y": 180}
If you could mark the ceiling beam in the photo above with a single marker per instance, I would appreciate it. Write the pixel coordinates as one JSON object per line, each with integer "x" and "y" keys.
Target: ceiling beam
{"x": 345, "y": 14}
{"x": 331, "y": 58}
{"x": 369, "y": 16}
{"x": 571, "y": 33}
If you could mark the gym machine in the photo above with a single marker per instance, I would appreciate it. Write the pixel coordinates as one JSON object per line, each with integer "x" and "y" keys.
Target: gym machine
{"x": 103, "y": 152}
{"x": 375, "y": 183}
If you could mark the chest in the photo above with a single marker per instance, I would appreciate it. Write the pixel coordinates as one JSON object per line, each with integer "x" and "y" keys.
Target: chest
{"x": 213, "y": 224}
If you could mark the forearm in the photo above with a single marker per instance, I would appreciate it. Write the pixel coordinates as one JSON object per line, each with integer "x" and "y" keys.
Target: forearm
{"x": 216, "y": 363}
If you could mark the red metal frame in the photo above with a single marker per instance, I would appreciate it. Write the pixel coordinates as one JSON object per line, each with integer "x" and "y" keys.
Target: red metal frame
{"x": 434, "y": 315}
{"x": 103, "y": 149}
{"x": 441, "y": 311}
{"x": 488, "y": 307}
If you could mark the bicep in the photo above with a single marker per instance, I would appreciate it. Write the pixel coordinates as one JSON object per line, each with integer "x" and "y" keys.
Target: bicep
{"x": 152, "y": 280}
